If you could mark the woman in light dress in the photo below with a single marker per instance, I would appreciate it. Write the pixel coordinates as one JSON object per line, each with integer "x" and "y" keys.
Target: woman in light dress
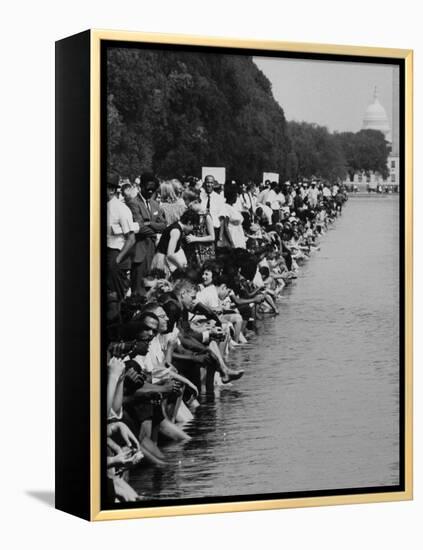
{"x": 232, "y": 232}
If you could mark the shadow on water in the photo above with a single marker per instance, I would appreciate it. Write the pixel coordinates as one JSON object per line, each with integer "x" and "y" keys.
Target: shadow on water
{"x": 317, "y": 407}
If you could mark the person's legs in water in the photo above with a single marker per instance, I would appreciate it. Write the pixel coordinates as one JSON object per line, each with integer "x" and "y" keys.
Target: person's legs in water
{"x": 271, "y": 303}
{"x": 226, "y": 373}
{"x": 183, "y": 414}
{"x": 171, "y": 404}
{"x": 172, "y": 431}
{"x": 209, "y": 381}
{"x": 224, "y": 344}
{"x": 236, "y": 320}
{"x": 167, "y": 426}
{"x": 123, "y": 491}
{"x": 151, "y": 452}
{"x": 191, "y": 370}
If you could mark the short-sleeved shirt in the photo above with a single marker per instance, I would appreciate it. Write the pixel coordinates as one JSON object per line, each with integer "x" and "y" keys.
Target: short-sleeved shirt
{"x": 155, "y": 358}
{"x": 216, "y": 207}
{"x": 208, "y": 296}
{"x": 258, "y": 280}
{"x": 119, "y": 223}
{"x": 273, "y": 198}
{"x": 262, "y": 196}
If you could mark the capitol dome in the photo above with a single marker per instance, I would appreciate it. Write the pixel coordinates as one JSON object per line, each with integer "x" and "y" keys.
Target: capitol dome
{"x": 375, "y": 118}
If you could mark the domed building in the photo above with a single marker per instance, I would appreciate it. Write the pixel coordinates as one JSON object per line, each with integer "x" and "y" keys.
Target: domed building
{"x": 375, "y": 117}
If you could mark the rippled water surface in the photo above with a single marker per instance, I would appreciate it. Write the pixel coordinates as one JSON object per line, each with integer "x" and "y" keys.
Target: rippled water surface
{"x": 318, "y": 406}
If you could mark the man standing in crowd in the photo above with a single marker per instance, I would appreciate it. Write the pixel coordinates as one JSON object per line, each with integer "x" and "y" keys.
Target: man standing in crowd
{"x": 313, "y": 195}
{"x": 326, "y": 191}
{"x": 304, "y": 189}
{"x": 335, "y": 189}
{"x": 120, "y": 240}
{"x": 262, "y": 196}
{"x": 247, "y": 200}
{"x": 213, "y": 203}
{"x": 298, "y": 200}
{"x": 150, "y": 218}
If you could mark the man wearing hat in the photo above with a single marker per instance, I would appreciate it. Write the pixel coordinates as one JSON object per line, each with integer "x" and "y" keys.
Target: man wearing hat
{"x": 120, "y": 240}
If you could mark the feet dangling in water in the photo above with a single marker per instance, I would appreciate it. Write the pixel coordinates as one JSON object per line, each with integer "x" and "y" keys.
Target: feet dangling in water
{"x": 232, "y": 375}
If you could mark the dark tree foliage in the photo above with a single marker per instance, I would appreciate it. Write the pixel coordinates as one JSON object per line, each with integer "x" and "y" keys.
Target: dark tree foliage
{"x": 173, "y": 112}
{"x": 366, "y": 151}
{"x": 318, "y": 153}
{"x": 315, "y": 153}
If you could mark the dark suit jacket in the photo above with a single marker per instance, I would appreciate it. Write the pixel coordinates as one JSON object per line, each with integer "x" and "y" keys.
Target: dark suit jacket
{"x": 145, "y": 245}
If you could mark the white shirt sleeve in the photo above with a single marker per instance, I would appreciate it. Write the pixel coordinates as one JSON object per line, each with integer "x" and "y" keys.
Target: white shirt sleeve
{"x": 208, "y": 296}
{"x": 221, "y": 207}
{"x": 125, "y": 219}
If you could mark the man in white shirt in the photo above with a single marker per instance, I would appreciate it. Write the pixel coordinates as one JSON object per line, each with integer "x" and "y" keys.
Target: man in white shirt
{"x": 304, "y": 190}
{"x": 264, "y": 213}
{"x": 313, "y": 195}
{"x": 247, "y": 200}
{"x": 209, "y": 296}
{"x": 120, "y": 240}
{"x": 262, "y": 196}
{"x": 326, "y": 191}
{"x": 272, "y": 199}
{"x": 214, "y": 203}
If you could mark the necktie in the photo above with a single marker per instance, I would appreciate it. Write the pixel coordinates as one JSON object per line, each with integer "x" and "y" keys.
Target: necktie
{"x": 148, "y": 207}
{"x": 208, "y": 203}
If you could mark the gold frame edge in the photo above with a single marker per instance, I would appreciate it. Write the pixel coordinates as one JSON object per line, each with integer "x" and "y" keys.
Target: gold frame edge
{"x": 96, "y": 514}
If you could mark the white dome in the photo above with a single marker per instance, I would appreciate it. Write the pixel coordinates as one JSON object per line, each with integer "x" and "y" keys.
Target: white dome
{"x": 375, "y": 118}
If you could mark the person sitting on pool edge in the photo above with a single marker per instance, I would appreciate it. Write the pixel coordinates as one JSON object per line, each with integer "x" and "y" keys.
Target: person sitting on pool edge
{"x": 208, "y": 294}
{"x": 202, "y": 343}
{"x": 142, "y": 399}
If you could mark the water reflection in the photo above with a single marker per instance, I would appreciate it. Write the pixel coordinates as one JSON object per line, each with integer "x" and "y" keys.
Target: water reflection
{"x": 318, "y": 405}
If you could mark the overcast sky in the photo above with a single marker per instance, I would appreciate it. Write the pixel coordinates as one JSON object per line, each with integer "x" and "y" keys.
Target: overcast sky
{"x": 331, "y": 94}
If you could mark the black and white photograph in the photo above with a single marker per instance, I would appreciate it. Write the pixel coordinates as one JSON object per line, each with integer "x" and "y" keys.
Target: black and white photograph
{"x": 252, "y": 275}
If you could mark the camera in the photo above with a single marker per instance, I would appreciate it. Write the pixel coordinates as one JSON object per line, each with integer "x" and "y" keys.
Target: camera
{"x": 121, "y": 349}
{"x": 217, "y": 334}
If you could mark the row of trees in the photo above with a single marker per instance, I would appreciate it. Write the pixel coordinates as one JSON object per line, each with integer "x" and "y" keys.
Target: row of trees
{"x": 171, "y": 112}
{"x": 317, "y": 152}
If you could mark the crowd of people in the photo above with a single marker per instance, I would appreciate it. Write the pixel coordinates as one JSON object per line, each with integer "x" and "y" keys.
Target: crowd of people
{"x": 191, "y": 266}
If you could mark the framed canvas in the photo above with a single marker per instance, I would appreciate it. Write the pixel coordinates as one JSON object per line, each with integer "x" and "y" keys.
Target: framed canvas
{"x": 233, "y": 275}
